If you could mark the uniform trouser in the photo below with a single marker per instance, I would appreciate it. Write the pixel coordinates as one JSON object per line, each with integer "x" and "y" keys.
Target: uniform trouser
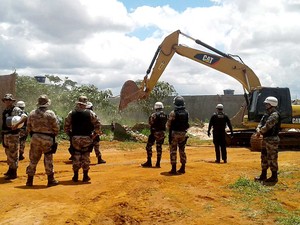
{"x": 220, "y": 145}
{"x": 81, "y": 159}
{"x": 269, "y": 155}
{"x": 97, "y": 148}
{"x": 178, "y": 139}
{"x": 22, "y": 141}
{"x": 11, "y": 142}
{"x": 159, "y": 138}
{"x": 35, "y": 154}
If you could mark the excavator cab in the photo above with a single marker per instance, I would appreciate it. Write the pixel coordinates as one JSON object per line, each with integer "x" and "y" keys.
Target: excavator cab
{"x": 256, "y": 108}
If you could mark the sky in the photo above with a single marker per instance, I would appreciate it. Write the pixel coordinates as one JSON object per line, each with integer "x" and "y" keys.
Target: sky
{"x": 105, "y": 43}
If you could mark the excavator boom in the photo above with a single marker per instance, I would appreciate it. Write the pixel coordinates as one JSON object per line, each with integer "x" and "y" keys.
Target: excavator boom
{"x": 220, "y": 61}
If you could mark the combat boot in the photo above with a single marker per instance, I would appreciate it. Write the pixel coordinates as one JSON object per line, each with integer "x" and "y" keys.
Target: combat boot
{"x": 182, "y": 169}
{"x": 262, "y": 177}
{"x": 100, "y": 160}
{"x": 29, "y": 182}
{"x": 51, "y": 181}
{"x": 7, "y": 172}
{"x": 157, "y": 165}
{"x": 173, "y": 170}
{"x": 273, "y": 178}
{"x": 148, "y": 163}
{"x": 75, "y": 177}
{"x": 12, "y": 175}
{"x": 86, "y": 177}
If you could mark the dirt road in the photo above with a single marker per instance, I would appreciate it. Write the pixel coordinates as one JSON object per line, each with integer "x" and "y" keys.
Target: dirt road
{"x": 122, "y": 192}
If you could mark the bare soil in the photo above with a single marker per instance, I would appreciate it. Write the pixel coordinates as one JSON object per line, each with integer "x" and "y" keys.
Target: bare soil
{"x": 122, "y": 192}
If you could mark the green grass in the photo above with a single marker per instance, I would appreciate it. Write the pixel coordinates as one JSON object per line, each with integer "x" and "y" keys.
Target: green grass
{"x": 257, "y": 201}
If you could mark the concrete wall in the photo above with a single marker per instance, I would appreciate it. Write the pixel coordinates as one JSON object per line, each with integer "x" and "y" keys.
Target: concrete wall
{"x": 200, "y": 107}
{"x": 203, "y": 106}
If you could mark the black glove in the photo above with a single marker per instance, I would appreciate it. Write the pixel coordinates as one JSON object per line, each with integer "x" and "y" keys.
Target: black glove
{"x": 208, "y": 133}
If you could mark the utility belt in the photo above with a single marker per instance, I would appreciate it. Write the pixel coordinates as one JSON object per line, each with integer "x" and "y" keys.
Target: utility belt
{"x": 53, "y": 146}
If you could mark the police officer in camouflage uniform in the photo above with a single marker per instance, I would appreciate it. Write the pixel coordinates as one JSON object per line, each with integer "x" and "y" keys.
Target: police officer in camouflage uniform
{"x": 82, "y": 126}
{"x": 23, "y": 132}
{"x": 177, "y": 124}
{"x": 157, "y": 122}
{"x": 43, "y": 127}
{"x": 219, "y": 121}
{"x": 269, "y": 128}
{"x": 10, "y": 134}
{"x": 96, "y": 141}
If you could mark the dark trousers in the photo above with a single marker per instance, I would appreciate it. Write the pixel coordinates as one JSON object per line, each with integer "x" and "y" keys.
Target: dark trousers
{"x": 220, "y": 145}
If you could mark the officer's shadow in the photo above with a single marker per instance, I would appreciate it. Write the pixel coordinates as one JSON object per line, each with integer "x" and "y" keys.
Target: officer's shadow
{"x": 3, "y": 181}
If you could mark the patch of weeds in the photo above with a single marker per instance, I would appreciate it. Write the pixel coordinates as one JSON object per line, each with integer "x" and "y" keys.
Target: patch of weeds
{"x": 208, "y": 207}
{"x": 249, "y": 188}
{"x": 273, "y": 206}
{"x": 288, "y": 220}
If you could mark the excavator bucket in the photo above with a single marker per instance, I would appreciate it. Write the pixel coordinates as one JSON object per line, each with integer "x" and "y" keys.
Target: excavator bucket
{"x": 129, "y": 93}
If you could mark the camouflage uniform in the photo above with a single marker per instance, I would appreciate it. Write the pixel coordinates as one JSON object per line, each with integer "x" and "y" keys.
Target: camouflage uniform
{"x": 22, "y": 139}
{"x": 10, "y": 137}
{"x": 269, "y": 128}
{"x": 43, "y": 126}
{"x": 81, "y": 139}
{"x": 157, "y": 122}
{"x": 178, "y": 123}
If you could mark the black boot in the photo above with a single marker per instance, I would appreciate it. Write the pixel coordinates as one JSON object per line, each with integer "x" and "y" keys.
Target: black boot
{"x": 262, "y": 177}
{"x": 29, "y": 182}
{"x": 75, "y": 177}
{"x": 182, "y": 169}
{"x": 100, "y": 160}
{"x": 21, "y": 157}
{"x": 273, "y": 178}
{"x": 51, "y": 181}
{"x": 11, "y": 175}
{"x": 7, "y": 172}
{"x": 86, "y": 177}
{"x": 148, "y": 163}
{"x": 173, "y": 170}
{"x": 157, "y": 165}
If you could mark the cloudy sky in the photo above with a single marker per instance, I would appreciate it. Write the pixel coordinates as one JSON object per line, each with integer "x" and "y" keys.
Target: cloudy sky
{"x": 108, "y": 42}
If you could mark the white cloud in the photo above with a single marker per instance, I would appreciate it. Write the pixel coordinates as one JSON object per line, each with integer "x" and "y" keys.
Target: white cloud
{"x": 92, "y": 43}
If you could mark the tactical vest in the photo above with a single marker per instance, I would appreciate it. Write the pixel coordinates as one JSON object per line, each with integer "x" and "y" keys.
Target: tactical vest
{"x": 181, "y": 122}
{"x": 274, "y": 131}
{"x": 160, "y": 121}
{"x": 81, "y": 123}
{"x": 6, "y": 113}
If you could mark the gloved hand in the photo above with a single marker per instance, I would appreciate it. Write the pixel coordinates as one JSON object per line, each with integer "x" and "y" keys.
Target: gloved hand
{"x": 231, "y": 135}
{"x": 208, "y": 133}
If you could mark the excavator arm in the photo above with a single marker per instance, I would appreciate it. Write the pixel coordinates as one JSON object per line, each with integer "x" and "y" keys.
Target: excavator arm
{"x": 220, "y": 61}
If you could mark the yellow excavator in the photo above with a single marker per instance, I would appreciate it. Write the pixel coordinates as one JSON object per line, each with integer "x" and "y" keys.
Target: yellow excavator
{"x": 255, "y": 94}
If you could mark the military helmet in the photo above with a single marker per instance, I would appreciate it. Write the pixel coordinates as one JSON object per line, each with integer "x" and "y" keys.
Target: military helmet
{"x": 219, "y": 106}
{"x": 178, "y": 101}
{"x": 158, "y": 105}
{"x": 20, "y": 104}
{"x": 271, "y": 100}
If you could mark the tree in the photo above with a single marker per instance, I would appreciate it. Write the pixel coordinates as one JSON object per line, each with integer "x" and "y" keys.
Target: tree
{"x": 159, "y": 93}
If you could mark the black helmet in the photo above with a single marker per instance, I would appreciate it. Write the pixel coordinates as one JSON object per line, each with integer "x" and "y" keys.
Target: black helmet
{"x": 178, "y": 101}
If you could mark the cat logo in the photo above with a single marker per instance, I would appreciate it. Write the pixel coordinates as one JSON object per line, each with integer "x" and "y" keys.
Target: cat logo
{"x": 209, "y": 59}
{"x": 296, "y": 120}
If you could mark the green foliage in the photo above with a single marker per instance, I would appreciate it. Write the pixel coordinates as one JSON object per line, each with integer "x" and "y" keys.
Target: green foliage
{"x": 289, "y": 220}
{"x": 159, "y": 93}
{"x": 248, "y": 187}
{"x": 63, "y": 95}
